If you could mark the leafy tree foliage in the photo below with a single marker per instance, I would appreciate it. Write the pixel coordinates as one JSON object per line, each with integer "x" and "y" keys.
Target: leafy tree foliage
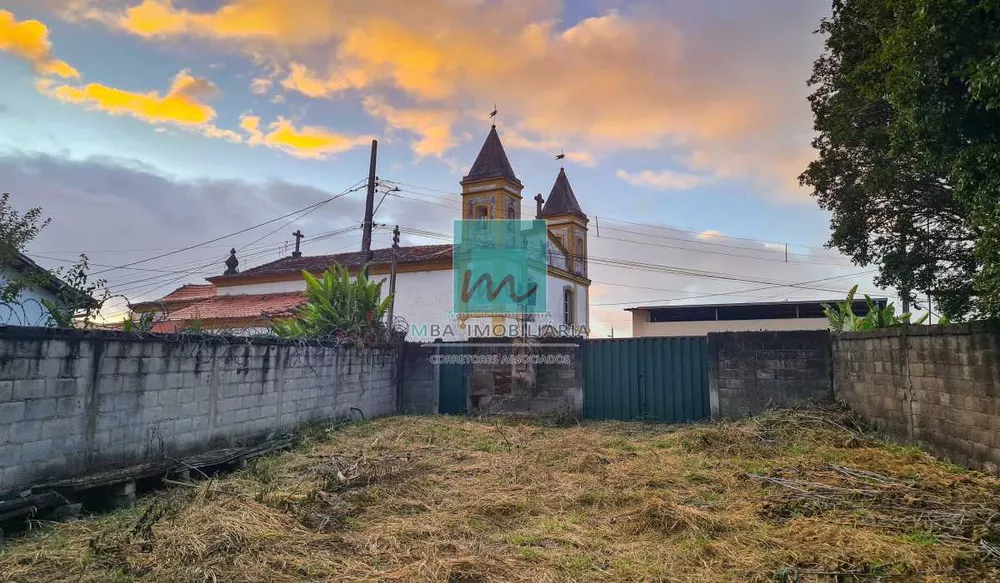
{"x": 892, "y": 204}
{"x": 74, "y": 302}
{"x": 16, "y": 231}
{"x": 337, "y": 306}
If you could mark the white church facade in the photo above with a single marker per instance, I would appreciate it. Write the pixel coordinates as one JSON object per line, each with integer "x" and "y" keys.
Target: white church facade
{"x": 248, "y": 299}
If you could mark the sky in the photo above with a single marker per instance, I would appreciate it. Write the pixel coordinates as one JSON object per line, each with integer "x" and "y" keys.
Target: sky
{"x": 146, "y": 126}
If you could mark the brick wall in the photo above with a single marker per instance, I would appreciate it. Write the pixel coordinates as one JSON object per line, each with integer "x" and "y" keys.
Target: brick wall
{"x": 74, "y": 401}
{"x": 938, "y": 386}
{"x": 752, "y": 371}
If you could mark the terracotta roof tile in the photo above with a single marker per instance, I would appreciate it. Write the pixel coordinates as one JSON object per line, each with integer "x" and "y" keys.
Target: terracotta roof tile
{"x": 185, "y": 294}
{"x": 240, "y": 307}
{"x": 318, "y": 263}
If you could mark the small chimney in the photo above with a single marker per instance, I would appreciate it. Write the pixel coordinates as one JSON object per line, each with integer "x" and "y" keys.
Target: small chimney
{"x": 232, "y": 264}
{"x": 538, "y": 205}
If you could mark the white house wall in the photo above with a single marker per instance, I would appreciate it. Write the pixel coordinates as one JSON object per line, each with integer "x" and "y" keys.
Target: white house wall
{"x": 28, "y": 309}
{"x": 425, "y": 300}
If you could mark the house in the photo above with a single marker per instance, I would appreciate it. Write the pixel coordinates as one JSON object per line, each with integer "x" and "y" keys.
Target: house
{"x": 248, "y": 299}
{"x": 39, "y": 284}
{"x": 699, "y": 320}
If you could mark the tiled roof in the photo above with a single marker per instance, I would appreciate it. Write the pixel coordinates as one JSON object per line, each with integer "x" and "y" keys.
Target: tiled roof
{"x": 492, "y": 161}
{"x": 185, "y": 294}
{"x": 318, "y": 263}
{"x": 561, "y": 200}
{"x": 240, "y": 307}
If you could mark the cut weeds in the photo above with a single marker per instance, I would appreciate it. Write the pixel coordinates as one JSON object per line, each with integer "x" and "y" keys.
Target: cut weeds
{"x": 787, "y": 496}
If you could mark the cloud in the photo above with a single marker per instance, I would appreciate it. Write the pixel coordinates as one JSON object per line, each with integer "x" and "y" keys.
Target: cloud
{"x": 433, "y": 126}
{"x": 183, "y": 104}
{"x": 260, "y": 85}
{"x": 153, "y": 210}
{"x": 649, "y": 75}
{"x": 662, "y": 179}
{"x": 29, "y": 39}
{"x": 514, "y": 139}
{"x": 709, "y": 235}
{"x": 304, "y": 142}
{"x": 301, "y": 79}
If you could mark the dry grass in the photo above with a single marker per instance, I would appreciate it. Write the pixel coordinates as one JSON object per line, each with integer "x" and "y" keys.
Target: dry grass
{"x": 792, "y": 496}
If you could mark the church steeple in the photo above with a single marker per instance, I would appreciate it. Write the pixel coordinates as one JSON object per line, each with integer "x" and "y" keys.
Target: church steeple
{"x": 491, "y": 190}
{"x": 567, "y": 222}
{"x": 561, "y": 200}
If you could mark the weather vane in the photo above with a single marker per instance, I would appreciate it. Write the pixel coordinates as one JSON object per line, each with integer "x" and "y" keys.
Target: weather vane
{"x": 560, "y": 156}
{"x": 493, "y": 114}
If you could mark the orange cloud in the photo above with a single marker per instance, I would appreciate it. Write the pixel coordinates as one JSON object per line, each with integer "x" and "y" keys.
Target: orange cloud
{"x": 433, "y": 126}
{"x": 181, "y": 105}
{"x": 624, "y": 79}
{"x": 662, "y": 179}
{"x": 304, "y": 142}
{"x": 29, "y": 39}
{"x": 514, "y": 139}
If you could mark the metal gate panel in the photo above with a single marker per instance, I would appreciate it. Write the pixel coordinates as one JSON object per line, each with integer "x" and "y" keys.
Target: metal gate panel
{"x": 658, "y": 379}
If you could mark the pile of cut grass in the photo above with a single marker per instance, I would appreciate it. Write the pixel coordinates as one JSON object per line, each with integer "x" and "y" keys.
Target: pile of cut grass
{"x": 786, "y": 496}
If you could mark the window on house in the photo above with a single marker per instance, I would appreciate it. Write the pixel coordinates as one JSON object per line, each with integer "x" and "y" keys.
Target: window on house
{"x": 568, "y": 305}
{"x": 581, "y": 255}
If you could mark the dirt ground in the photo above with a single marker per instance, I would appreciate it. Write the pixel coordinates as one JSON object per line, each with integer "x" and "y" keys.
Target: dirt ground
{"x": 791, "y": 496}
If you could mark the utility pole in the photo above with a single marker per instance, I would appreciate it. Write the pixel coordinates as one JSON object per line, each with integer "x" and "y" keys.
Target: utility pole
{"x": 392, "y": 276}
{"x": 366, "y": 233}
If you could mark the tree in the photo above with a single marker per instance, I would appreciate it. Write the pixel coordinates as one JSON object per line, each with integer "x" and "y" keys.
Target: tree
{"x": 337, "y": 306}
{"x": 16, "y": 231}
{"x": 73, "y": 290}
{"x": 944, "y": 86}
{"x": 890, "y": 206}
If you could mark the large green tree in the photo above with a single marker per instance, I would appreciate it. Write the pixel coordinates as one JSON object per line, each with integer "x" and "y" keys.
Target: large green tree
{"x": 944, "y": 85}
{"x": 890, "y": 206}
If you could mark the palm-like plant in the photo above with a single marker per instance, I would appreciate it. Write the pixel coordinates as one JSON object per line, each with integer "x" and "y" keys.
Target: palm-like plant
{"x": 842, "y": 316}
{"x": 337, "y": 305}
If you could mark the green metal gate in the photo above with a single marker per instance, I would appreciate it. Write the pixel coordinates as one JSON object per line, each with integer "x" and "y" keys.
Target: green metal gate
{"x": 453, "y": 382}
{"x": 656, "y": 379}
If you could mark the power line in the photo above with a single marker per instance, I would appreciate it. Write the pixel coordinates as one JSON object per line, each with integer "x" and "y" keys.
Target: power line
{"x": 233, "y": 234}
{"x": 639, "y": 224}
{"x": 689, "y": 249}
{"x": 653, "y": 267}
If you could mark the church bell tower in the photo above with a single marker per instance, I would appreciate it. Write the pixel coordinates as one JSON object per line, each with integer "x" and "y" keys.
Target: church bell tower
{"x": 490, "y": 190}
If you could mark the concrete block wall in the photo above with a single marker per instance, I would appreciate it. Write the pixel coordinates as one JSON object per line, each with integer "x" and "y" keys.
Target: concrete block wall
{"x": 753, "y": 371}
{"x": 72, "y": 401}
{"x": 938, "y": 386}
{"x": 418, "y": 380}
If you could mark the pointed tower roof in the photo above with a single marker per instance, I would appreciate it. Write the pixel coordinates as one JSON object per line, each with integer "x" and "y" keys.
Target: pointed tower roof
{"x": 492, "y": 161}
{"x": 561, "y": 200}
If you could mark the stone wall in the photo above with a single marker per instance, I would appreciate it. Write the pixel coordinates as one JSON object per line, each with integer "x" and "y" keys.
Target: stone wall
{"x": 72, "y": 402}
{"x": 504, "y": 376}
{"x": 537, "y": 377}
{"x": 753, "y": 371}
{"x": 418, "y": 380}
{"x": 938, "y": 386}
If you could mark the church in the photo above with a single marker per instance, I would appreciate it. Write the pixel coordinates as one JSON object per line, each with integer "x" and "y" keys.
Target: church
{"x": 241, "y": 301}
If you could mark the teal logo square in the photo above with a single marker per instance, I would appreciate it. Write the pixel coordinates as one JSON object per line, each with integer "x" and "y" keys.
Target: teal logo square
{"x": 500, "y": 267}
